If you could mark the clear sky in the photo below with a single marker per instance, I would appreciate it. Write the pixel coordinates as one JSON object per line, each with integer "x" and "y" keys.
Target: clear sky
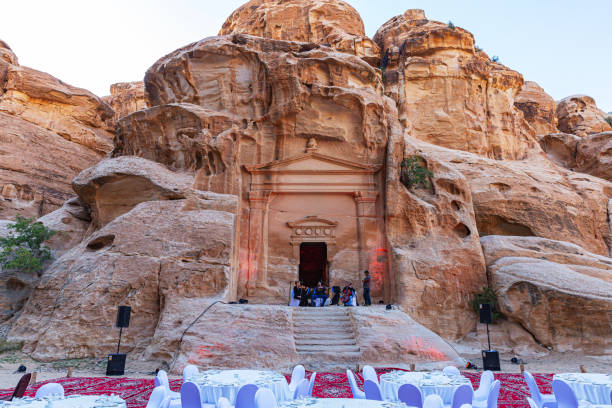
{"x": 564, "y": 45}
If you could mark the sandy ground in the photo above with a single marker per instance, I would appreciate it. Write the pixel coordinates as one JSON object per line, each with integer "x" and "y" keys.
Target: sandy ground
{"x": 549, "y": 362}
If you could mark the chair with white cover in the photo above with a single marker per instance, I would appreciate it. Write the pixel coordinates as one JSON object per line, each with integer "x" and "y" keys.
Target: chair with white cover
{"x": 357, "y": 393}
{"x": 264, "y": 398}
{"x": 481, "y": 394}
{"x": 50, "y": 389}
{"x": 166, "y": 402}
{"x": 532, "y": 403}
{"x": 372, "y": 391}
{"x": 162, "y": 378}
{"x": 451, "y": 371}
{"x": 493, "y": 394}
{"x": 294, "y": 302}
{"x": 301, "y": 390}
{"x": 369, "y": 374}
{"x": 190, "y": 395}
{"x": 223, "y": 403}
{"x": 462, "y": 395}
{"x": 565, "y": 396}
{"x": 245, "y": 398}
{"x": 313, "y": 377}
{"x": 157, "y": 397}
{"x": 433, "y": 401}
{"x": 541, "y": 400}
{"x": 297, "y": 375}
{"x": 190, "y": 371}
{"x": 410, "y": 395}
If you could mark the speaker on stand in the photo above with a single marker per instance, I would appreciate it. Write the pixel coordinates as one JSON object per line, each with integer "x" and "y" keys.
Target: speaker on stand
{"x": 116, "y": 362}
{"x": 490, "y": 358}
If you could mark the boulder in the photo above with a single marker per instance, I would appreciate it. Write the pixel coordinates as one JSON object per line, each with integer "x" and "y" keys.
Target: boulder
{"x": 330, "y": 22}
{"x": 70, "y": 222}
{"x": 539, "y": 108}
{"x": 449, "y": 94}
{"x": 560, "y": 148}
{"x": 557, "y": 291}
{"x": 126, "y": 98}
{"x": 152, "y": 258}
{"x": 579, "y": 115}
{"x": 49, "y": 131}
{"x": 594, "y": 155}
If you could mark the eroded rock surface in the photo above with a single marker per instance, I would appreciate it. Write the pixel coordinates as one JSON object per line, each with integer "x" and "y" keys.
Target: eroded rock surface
{"x": 449, "y": 94}
{"x": 579, "y": 115}
{"x": 559, "y": 292}
{"x": 49, "y": 131}
{"x": 594, "y": 155}
{"x": 330, "y": 22}
{"x": 539, "y": 108}
{"x": 126, "y": 98}
{"x": 560, "y": 148}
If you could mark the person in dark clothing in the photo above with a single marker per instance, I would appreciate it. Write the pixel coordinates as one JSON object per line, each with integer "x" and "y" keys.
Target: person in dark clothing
{"x": 297, "y": 291}
{"x": 335, "y": 295}
{"x": 320, "y": 292}
{"x": 303, "y": 291}
{"x": 347, "y": 293}
{"x": 366, "y": 289}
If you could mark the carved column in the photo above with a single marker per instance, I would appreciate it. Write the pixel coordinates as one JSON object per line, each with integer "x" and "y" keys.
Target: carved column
{"x": 365, "y": 202}
{"x": 258, "y": 217}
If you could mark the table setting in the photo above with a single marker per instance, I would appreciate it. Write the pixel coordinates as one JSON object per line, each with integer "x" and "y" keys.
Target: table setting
{"x": 591, "y": 387}
{"x": 429, "y": 383}
{"x": 339, "y": 403}
{"x": 215, "y": 384}
{"x": 69, "y": 401}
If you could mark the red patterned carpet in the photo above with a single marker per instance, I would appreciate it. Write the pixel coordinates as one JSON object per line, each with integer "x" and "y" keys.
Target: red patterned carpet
{"x": 327, "y": 385}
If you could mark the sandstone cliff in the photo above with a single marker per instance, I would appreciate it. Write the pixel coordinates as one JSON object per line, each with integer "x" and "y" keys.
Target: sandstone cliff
{"x": 579, "y": 115}
{"x": 539, "y": 108}
{"x": 126, "y": 98}
{"x": 50, "y": 131}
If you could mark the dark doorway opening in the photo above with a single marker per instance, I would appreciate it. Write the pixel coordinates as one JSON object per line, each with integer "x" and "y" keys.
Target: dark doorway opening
{"x": 313, "y": 263}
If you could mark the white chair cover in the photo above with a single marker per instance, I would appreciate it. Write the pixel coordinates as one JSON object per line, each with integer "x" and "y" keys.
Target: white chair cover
{"x": 166, "y": 402}
{"x": 451, "y": 371}
{"x": 313, "y": 377}
{"x": 433, "y": 401}
{"x": 50, "y": 389}
{"x": 297, "y": 375}
{"x": 157, "y": 397}
{"x": 264, "y": 398}
{"x": 293, "y": 302}
{"x": 301, "y": 390}
{"x": 369, "y": 374}
{"x": 486, "y": 379}
{"x": 162, "y": 378}
{"x": 541, "y": 400}
{"x": 357, "y": 393}
{"x": 223, "y": 403}
{"x": 190, "y": 371}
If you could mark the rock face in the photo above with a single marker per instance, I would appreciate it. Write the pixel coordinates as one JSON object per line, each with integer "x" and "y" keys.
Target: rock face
{"x": 49, "y": 131}
{"x": 579, "y": 115}
{"x": 330, "y": 22}
{"x": 559, "y": 292}
{"x": 560, "y": 148}
{"x": 539, "y": 108}
{"x": 126, "y": 98}
{"x": 449, "y": 94}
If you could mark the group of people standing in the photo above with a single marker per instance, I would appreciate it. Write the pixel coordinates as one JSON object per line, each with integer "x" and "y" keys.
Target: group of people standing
{"x": 320, "y": 296}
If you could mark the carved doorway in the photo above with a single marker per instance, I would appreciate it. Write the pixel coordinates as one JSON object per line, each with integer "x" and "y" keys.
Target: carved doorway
{"x": 313, "y": 263}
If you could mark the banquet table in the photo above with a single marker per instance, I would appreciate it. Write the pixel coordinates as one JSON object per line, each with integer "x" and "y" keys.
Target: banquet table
{"x": 591, "y": 387}
{"x": 69, "y": 401}
{"x": 339, "y": 403}
{"x": 428, "y": 383}
{"x": 215, "y": 384}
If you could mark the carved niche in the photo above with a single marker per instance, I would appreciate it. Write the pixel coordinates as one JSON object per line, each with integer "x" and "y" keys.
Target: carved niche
{"x": 312, "y": 229}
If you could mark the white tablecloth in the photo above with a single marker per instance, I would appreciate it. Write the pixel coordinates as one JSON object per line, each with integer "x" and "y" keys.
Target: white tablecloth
{"x": 339, "y": 403}
{"x": 428, "y": 383}
{"x": 70, "y": 401}
{"x": 594, "y": 388}
{"x": 215, "y": 384}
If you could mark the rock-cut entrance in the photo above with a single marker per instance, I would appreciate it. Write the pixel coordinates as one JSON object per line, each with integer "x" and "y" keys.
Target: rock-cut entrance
{"x": 313, "y": 263}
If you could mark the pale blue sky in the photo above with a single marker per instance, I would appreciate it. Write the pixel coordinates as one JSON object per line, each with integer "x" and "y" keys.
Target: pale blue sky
{"x": 564, "y": 45}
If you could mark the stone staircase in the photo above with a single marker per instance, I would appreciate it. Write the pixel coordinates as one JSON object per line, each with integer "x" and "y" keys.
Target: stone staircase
{"x": 325, "y": 334}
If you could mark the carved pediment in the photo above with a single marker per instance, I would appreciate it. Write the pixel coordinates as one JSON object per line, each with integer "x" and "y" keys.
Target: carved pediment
{"x": 312, "y": 162}
{"x": 313, "y": 228}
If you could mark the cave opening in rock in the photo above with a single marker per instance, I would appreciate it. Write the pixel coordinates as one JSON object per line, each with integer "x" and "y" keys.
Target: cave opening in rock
{"x": 313, "y": 263}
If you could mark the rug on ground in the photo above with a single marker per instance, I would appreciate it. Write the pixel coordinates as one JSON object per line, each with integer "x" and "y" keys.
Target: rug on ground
{"x": 327, "y": 385}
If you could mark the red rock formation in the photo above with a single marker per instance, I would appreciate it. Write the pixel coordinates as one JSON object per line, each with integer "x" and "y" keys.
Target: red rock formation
{"x": 329, "y": 22}
{"x": 539, "y": 108}
{"x": 579, "y": 115}
{"x": 449, "y": 94}
{"x": 49, "y": 131}
{"x": 126, "y": 98}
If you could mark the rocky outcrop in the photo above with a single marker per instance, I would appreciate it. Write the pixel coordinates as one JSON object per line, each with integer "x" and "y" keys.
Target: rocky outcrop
{"x": 49, "y": 131}
{"x": 70, "y": 223}
{"x": 579, "y": 115}
{"x": 126, "y": 98}
{"x": 557, "y": 291}
{"x": 331, "y": 22}
{"x": 449, "y": 94}
{"x": 560, "y": 148}
{"x": 539, "y": 108}
{"x": 154, "y": 258}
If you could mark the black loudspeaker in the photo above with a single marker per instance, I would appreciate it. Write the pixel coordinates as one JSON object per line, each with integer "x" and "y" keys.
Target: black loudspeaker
{"x": 123, "y": 316}
{"x": 490, "y": 360}
{"x": 486, "y": 313}
{"x": 243, "y": 301}
{"x": 115, "y": 364}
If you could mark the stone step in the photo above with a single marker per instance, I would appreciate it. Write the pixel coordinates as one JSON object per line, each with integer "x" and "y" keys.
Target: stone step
{"x": 319, "y": 315}
{"x": 342, "y": 331}
{"x": 319, "y": 322}
{"x": 324, "y": 336}
{"x": 319, "y": 348}
{"x": 326, "y": 342}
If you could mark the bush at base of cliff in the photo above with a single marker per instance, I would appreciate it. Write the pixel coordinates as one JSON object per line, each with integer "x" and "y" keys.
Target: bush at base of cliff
{"x": 487, "y": 295}
{"x": 23, "y": 248}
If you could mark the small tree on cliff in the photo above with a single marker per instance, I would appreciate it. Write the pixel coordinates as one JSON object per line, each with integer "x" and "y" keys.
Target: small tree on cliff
{"x": 23, "y": 248}
{"x": 413, "y": 174}
{"x": 609, "y": 120}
